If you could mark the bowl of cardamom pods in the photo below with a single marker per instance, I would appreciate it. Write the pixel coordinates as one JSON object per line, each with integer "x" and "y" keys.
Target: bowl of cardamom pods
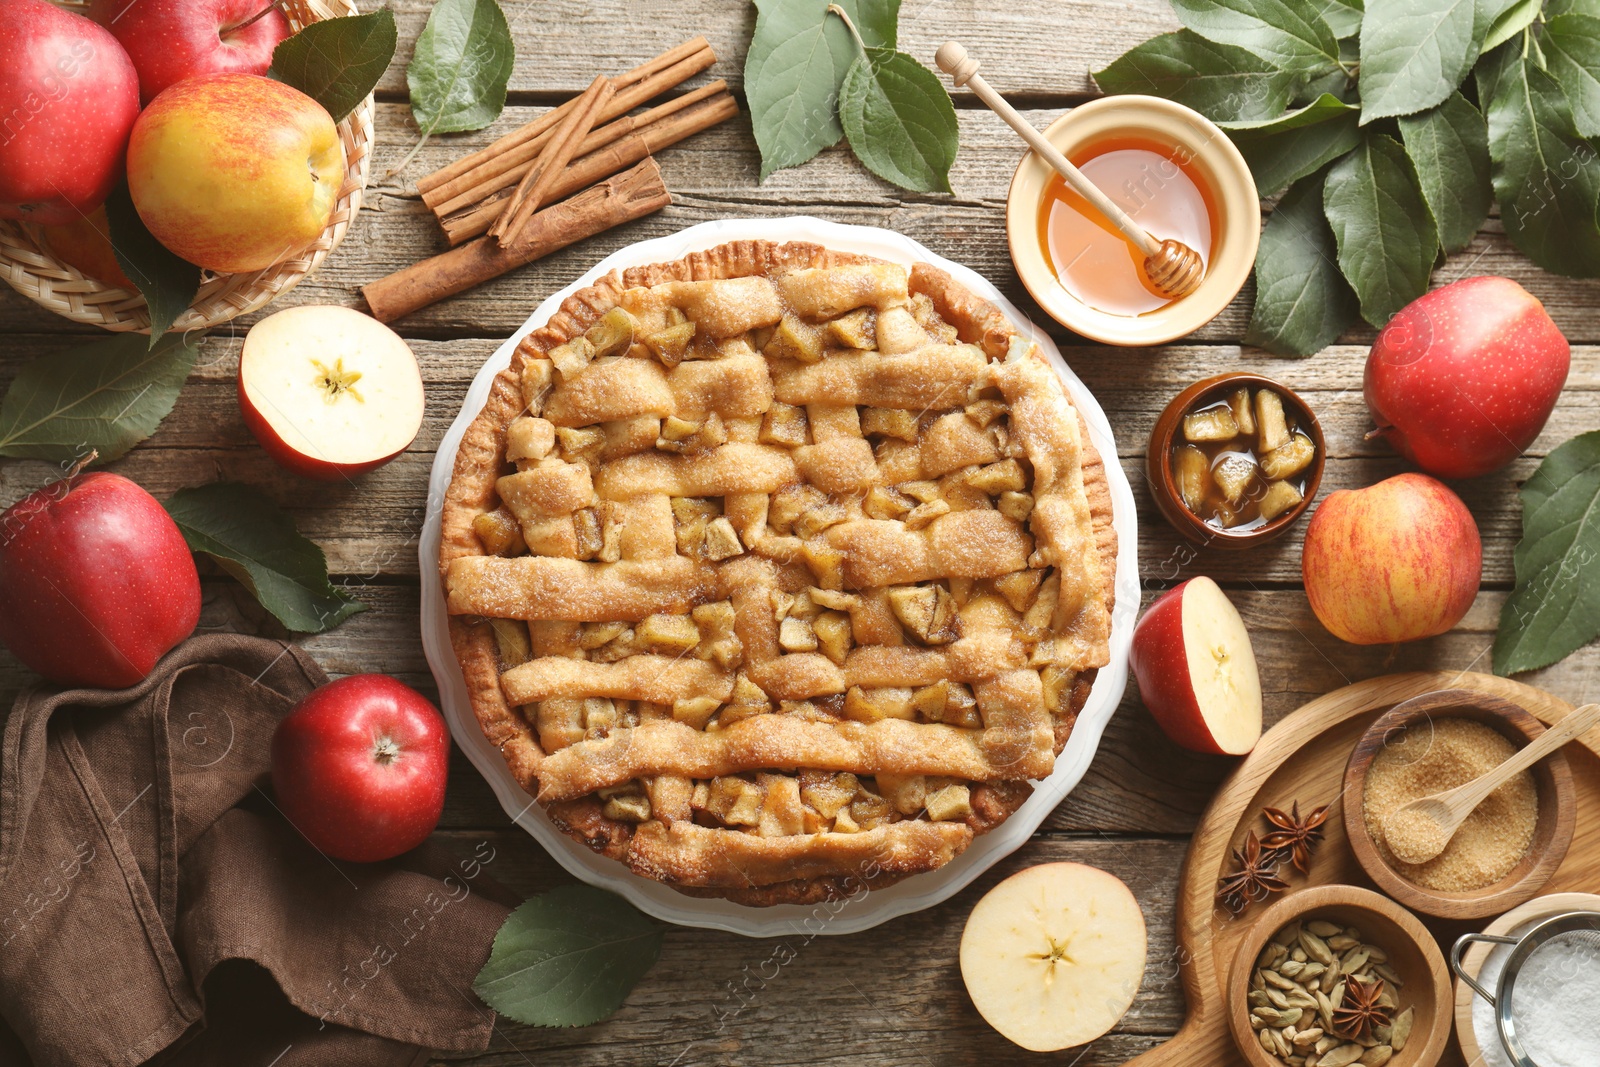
{"x": 1339, "y": 976}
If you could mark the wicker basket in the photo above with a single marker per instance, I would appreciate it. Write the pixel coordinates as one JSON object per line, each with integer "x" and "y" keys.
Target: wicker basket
{"x": 51, "y": 284}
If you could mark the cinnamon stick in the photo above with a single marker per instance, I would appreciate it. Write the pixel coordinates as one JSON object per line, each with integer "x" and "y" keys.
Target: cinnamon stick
{"x": 588, "y": 169}
{"x": 598, "y": 138}
{"x": 558, "y": 151}
{"x": 619, "y": 199}
{"x": 521, "y": 145}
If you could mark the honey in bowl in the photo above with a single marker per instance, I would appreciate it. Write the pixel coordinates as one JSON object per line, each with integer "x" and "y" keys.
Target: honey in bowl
{"x": 1158, "y": 187}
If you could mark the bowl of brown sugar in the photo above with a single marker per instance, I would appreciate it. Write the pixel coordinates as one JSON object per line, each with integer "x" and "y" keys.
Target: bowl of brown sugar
{"x": 1511, "y": 844}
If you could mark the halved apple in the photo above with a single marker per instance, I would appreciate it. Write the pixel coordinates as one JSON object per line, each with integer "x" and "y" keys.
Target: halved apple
{"x": 329, "y": 392}
{"x": 1197, "y": 670}
{"x": 1053, "y": 956}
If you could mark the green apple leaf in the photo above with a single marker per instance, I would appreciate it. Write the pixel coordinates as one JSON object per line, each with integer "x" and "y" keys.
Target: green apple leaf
{"x": 1554, "y": 610}
{"x": 337, "y": 62}
{"x": 462, "y": 64}
{"x": 1279, "y": 159}
{"x": 1323, "y": 108}
{"x": 1572, "y": 55}
{"x": 1414, "y": 53}
{"x": 1220, "y": 81}
{"x": 1449, "y": 146}
{"x": 1291, "y": 33}
{"x": 1386, "y": 235}
{"x": 899, "y": 120}
{"x": 1302, "y": 303}
{"x": 1554, "y": 8}
{"x": 795, "y": 70}
{"x": 168, "y": 282}
{"x": 102, "y": 397}
{"x": 1505, "y": 20}
{"x": 568, "y": 957}
{"x": 254, "y": 540}
{"x": 1342, "y": 16}
{"x": 1546, "y": 177}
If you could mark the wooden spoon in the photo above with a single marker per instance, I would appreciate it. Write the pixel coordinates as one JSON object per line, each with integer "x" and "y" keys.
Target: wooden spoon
{"x": 1172, "y": 266}
{"x": 1420, "y": 830}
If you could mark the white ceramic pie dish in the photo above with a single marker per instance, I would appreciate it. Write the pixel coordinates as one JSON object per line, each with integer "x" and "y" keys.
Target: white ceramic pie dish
{"x": 866, "y": 909}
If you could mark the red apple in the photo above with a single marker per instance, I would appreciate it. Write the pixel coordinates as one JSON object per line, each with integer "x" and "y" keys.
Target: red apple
{"x": 359, "y": 767}
{"x": 1462, "y": 380}
{"x": 1396, "y": 561}
{"x": 96, "y": 583}
{"x": 85, "y": 243}
{"x": 68, "y": 97}
{"x": 170, "y": 40}
{"x": 329, "y": 392}
{"x": 1197, "y": 670}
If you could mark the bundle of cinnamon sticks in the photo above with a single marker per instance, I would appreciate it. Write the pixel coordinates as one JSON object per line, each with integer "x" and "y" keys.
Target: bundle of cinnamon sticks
{"x": 494, "y": 199}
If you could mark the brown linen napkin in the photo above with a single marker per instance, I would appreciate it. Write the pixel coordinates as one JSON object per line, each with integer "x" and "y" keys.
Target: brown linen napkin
{"x": 154, "y": 903}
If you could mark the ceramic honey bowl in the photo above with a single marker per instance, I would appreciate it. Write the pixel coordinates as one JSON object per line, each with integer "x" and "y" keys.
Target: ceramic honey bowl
{"x": 1175, "y": 173}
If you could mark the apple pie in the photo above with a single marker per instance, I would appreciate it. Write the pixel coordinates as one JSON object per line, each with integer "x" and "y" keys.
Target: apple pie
{"x": 778, "y": 572}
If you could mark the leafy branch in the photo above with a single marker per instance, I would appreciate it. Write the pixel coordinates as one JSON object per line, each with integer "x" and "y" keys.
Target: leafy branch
{"x": 1410, "y": 116}
{"x": 820, "y": 71}
{"x": 459, "y": 71}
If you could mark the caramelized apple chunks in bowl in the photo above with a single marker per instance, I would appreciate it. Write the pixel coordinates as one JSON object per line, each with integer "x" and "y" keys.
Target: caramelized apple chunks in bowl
{"x": 1235, "y": 459}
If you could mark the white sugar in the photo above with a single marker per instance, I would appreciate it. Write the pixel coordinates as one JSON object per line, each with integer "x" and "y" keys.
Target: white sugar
{"x": 1556, "y": 1003}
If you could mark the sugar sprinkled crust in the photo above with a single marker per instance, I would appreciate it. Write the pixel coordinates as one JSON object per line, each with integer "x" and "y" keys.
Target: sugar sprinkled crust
{"x": 739, "y": 799}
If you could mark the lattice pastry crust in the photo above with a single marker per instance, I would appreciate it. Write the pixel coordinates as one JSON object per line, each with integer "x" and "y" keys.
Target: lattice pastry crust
{"x": 777, "y": 572}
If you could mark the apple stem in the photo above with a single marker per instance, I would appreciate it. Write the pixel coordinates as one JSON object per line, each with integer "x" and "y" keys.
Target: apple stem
{"x": 1375, "y": 433}
{"x": 77, "y": 468}
{"x": 257, "y": 17}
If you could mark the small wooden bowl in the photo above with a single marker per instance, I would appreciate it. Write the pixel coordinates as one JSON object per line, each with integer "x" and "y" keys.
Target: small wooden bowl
{"x": 1413, "y": 955}
{"x": 1552, "y": 833}
{"x": 1158, "y": 461}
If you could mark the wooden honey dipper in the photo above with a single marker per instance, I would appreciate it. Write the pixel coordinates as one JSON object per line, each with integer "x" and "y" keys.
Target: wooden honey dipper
{"x": 1174, "y": 269}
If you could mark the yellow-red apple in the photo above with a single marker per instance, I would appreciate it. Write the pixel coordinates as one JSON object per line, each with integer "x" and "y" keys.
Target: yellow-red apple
{"x": 329, "y": 392}
{"x": 1197, "y": 670}
{"x": 235, "y": 172}
{"x": 1396, "y": 561}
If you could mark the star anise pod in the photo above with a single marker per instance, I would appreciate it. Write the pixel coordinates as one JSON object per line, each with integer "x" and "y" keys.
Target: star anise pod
{"x": 1295, "y": 838}
{"x": 1360, "y": 1011}
{"x": 1255, "y": 879}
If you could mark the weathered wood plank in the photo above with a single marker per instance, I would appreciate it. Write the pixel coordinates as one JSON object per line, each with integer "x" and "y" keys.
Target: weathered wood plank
{"x": 714, "y": 176}
{"x": 1028, "y": 48}
{"x": 890, "y": 995}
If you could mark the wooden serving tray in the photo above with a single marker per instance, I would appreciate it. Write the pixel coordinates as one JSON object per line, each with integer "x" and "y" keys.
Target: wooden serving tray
{"x": 1302, "y": 759}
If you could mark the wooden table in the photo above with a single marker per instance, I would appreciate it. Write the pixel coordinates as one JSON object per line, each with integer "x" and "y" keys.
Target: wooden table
{"x": 893, "y": 995}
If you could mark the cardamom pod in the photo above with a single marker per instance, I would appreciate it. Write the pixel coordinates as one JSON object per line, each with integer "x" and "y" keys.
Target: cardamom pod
{"x": 1342, "y": 1056}
{"x": 1401, "y": 1030}
{"x": 1315, "y": 947}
